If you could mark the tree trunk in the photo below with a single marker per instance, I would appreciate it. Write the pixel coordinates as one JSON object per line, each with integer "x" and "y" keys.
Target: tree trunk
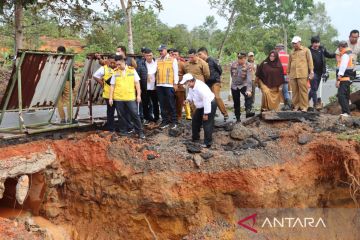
{"x": 19, "y": 35}
{"x": 128, "y": 12}
{"x": 231, "y": 19}
{"x": 285, "y": 37}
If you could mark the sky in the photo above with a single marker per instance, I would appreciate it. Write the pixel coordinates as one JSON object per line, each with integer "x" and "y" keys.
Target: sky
{"x": 345, "y": 14}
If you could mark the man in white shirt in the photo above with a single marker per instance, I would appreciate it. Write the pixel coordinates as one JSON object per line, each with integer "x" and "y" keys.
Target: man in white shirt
{"x": 344, "y": 72}
{"x": 103, "y": 76}
{"x": 150, "y": 100}
{"x": 204, "y": 100}
{"x": 354, "y": 45}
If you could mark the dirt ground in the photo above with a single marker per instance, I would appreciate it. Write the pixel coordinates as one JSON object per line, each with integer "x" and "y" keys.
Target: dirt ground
{"x": 124, "y": 188}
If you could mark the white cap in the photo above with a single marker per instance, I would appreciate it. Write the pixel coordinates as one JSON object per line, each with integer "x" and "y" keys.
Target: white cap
{"x": 186, "y": 78}
{"x": 296, "y": 39}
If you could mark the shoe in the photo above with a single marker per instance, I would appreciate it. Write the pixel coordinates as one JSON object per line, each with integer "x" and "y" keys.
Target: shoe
{"x": 345, "y": 115}
{"x": 226, "y": 118}
{"x": 141, "y": 135}
{"x": 238, "y": 120}
{"x": 146, "y": 122}
{"x": 249, "y": 114}
{"x": 130, "y": 131}
{"x": 163, "y": 125}
{"x": 174, "y": 126}
{"x": 63, "y": 121}
{"x": 205, "y": 146}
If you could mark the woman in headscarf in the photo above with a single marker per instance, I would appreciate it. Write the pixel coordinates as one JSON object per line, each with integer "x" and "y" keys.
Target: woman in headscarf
{"x": 270, "y": 76}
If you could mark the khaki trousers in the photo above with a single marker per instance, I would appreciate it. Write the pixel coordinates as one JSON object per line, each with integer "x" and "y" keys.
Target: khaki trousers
{"x": 179, "y": 98}
{"x": 64, "y": 100}
{"x": 215, "y": 88}
{"x": 300, "y": 97}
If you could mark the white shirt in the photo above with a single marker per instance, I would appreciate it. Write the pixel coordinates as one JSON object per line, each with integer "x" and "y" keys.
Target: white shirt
{"x": 151, "y": 68}
{"x": 343, "y": 64}
{"x": 201, "y": 96}
{"x": 355, "y": 48}
{"x": 99, "y": 73}
{"x": 176, "y": 74}
{"x": 113, "y": 78}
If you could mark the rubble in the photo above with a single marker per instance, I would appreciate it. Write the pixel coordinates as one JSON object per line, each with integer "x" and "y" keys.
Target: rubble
{"x": 304, "y": 139}
{"x": 22, "y": 188}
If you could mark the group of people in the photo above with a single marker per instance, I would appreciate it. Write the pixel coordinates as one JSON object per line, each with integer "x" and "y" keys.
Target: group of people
{"x": 142, "y": 91}
{"x": 303, "y": 69}
{"x": 137, "y": 89}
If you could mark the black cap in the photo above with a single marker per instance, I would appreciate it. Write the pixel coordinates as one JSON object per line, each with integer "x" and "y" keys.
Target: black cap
{"x": 162, "y": 47}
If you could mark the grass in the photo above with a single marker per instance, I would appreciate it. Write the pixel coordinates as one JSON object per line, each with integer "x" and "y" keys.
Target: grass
{"x": 355, "y": 136}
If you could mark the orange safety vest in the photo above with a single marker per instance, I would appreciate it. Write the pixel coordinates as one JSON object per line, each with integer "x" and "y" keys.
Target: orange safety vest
{"x": 165, "y": 71}
{"x": 350, "y": 67}
{"x": 284, "y": 59}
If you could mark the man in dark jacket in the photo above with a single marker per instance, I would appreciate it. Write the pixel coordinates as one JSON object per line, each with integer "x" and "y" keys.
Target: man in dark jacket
{"x": 319, "y": 53}
{"x": 214, "y": 82}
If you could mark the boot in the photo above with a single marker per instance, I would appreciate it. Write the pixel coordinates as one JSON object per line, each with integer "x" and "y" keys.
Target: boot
{"x": 249, "y": 114}
{"x": 287, "y": 105}
{"x": 187, "y": 111}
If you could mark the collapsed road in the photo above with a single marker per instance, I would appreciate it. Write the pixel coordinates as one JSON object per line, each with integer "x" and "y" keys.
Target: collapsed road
{"x": 98, "y": 185}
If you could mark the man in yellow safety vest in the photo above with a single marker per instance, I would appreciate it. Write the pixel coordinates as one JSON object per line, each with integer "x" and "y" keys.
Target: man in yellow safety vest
{"x": 125, "y": 94}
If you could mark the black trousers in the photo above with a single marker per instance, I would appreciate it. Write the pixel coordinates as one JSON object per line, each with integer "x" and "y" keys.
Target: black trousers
{"x": 166, "y": 97}
{"x": 150, "y": 104}
{"x": 110, "y": 112}
{"x": 344, "y": 96}
{"x": 197, "y": 122}
{"x": 128, "y": 116}
{"x": 236, "y": 98}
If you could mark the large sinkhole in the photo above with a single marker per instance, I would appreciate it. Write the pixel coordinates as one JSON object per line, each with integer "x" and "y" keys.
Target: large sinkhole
{"x": 102, "y": 187}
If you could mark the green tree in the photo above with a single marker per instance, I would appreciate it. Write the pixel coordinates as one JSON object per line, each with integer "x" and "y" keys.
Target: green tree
{"x": 284, "y": 14}
{"x": 318, "y": 23}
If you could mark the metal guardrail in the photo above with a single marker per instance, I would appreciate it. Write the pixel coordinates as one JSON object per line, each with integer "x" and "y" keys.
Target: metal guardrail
{"x": 37, "y": 81}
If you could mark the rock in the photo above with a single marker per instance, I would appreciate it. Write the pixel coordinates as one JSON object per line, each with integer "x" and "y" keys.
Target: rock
{"x": 193, "y": 148}
{"x": 241, "y": 132}
{"x": 229, "y": 127}
{"x": 304, "y": 139}
{"x": 355, "y": 98}
{"x": 2, "y": 189}
{"x": 71, "y": 137}
{"x": 52, "y": 211}
{"x": 197, "y": 160}
{"x": 249, "y": 143}
{"x": 103, "y": 134}
{"x": 352, "y": 107}
{"x": 229, "y": 146}
{"x": 356, "y": 123}
{"x": 30, "y": 225}
{"x": 22, "y": 189}
{"x": 57, "y": 136}
{"x": 206, "y": 155}
{"x": 113, "y": 138}
{"x": 274, "y": 136}
{"x": 151, "y": 157}
{"x": 175, "y": 132}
